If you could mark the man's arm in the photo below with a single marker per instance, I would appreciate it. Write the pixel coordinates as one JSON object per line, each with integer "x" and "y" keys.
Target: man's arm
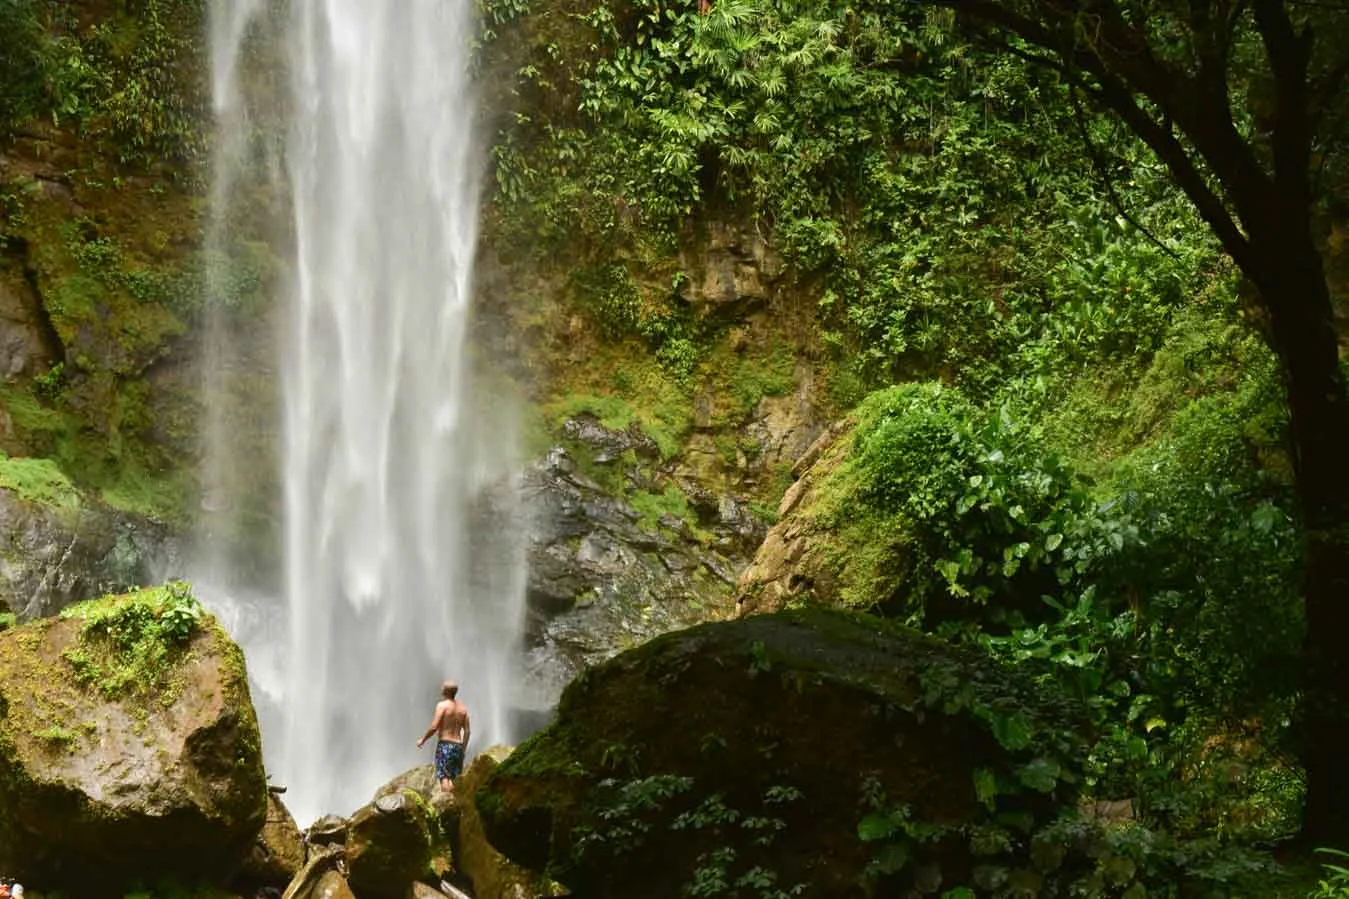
{"x": 467, "y": 727}
{"x": 435, "y": 725}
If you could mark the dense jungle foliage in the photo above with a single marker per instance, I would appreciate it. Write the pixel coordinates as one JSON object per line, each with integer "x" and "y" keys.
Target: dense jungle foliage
{"x": 1072, "y": 435}
{"x": 1084, "y": 467}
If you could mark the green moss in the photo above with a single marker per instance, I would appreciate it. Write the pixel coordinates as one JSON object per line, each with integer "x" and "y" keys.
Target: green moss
{"x": 128, "y": 644}
{"x": 665, "y": 417}
{"x": 39, "y": 481}
{"x": 741, "y": 380}
{"x": 56, "y": 736}
{"x": 142, "y": 493}
{"x": 654, "y": 506}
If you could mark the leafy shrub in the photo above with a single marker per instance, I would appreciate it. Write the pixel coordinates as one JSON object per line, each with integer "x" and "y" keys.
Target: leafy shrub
{"x": 995, "y": 520}
{"x": 127, "y": 644}
{"x": 1166, "y": 600}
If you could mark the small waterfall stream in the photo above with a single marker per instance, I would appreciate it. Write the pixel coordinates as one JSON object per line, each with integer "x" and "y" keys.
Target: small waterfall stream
{"x": 402, "y": 558}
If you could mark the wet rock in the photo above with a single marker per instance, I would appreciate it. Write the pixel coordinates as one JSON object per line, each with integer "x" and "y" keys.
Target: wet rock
{"x": 331, "y": 885}
{"x": 760, "y": 744}
{"x": 602, "y": 580}
{"x": 322, "y": 877}
{"x": 330, "y": 830}
{"x": 278, "y": 853}
{"x": 74, "y": 549}
{"x": 419, "y": 890}
{"x": 609, "y": 445}
{"x": 106, "y": 777}
{"x": 27, "y": 345}
{"x": 388, "y": 846}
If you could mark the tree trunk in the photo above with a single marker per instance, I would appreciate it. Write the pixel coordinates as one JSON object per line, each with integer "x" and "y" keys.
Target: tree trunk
{"x": 1293, "y": 285}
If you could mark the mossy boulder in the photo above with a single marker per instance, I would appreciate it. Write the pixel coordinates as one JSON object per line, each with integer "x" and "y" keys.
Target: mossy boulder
{"x": 442, "y": 811}
{"x": 816, "y": 748}
{"x": 388, "y": 845}
{"x": 492, "y": 875}
{"x": 130, "y": 750}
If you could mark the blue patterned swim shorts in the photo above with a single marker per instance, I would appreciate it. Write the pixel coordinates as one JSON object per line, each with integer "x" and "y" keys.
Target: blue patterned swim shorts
{"x": 449, "y": 759}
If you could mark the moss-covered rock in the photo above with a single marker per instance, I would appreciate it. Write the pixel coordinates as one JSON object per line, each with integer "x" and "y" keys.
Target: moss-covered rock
{"x": 388, "y": 845}
{"x": 492, "y": 874}
{"x": 801, "y": 558}
{"x": 130, "y": 749}
{"x": 441, "y": 809}
{"x": 818, "y": 748}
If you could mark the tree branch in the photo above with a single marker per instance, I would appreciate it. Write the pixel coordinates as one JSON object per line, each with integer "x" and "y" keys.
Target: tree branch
{"x": 1098, "y": 163}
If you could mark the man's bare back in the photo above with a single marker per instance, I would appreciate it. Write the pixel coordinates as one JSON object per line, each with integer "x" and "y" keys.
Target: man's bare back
{"x": 452, "y": 721}
{"x": 452, "y": 727}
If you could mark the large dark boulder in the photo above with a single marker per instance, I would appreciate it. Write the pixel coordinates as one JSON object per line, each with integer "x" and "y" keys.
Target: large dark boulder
{"x": 388, "y": 845}
{"x": 129, "y": 749}
{"x": 492, "y": 875}
{"x": 812, "y": 748}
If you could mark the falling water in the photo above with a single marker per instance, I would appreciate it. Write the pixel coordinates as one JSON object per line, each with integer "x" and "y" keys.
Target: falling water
{"x": 401, "y": 564}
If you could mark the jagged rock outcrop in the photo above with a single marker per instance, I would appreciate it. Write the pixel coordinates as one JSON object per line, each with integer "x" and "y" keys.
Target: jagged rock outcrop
{"x": 601, "y": 577}
{"x": 59, "y": 553}
{"x": 757, "y": 748}
{"x": 798, "y": 559}
{"x": 733, "y": 270}
{"x": 130, "y": 750}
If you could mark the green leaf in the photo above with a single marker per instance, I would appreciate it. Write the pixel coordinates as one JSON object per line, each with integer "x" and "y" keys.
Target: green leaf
{"x": 876, "y": 826}
{"x": 1012, "y": 731}
{"x": 986, "y": 787}
{"x": 892, "y": 857}
{"x": 1041, "y": 774}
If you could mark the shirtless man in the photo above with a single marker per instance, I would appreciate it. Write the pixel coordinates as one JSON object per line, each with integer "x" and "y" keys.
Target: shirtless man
{"x": 450, "y": 723}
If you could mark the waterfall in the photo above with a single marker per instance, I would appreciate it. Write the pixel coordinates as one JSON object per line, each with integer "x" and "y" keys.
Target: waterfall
{"x": 401, "y": 562}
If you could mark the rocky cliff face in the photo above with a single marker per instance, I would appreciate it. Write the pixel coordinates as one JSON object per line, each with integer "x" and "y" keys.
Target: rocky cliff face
{"x": 640, "y": 526}
{"x": 55, "y": 555}
{"x": 800, "y": 558}
{"x": 602, "y": 577}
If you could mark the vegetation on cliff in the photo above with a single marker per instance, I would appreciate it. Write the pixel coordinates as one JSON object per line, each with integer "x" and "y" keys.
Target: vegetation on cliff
{"x": 1107, "y": 489}
{"x": 1070, "y": 443}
